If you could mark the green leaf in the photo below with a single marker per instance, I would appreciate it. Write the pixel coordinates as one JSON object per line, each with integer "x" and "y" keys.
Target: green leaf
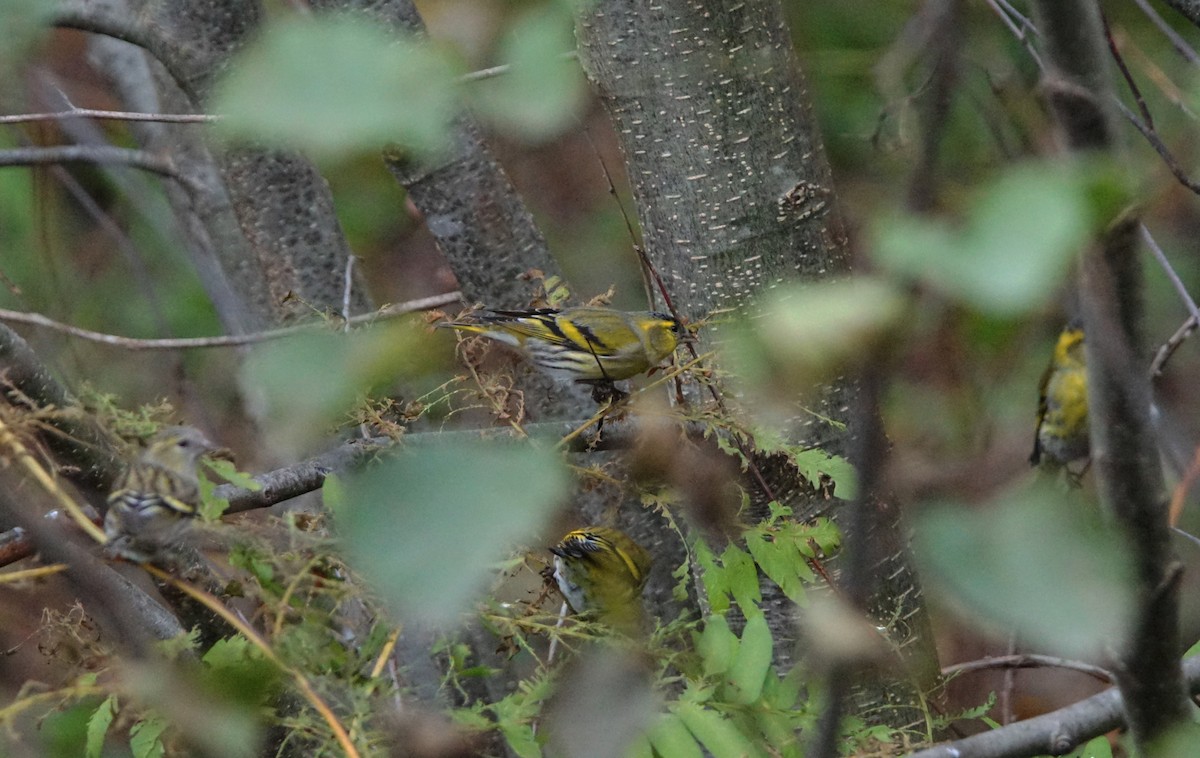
{"x": 1179, "y": 742}
{"x": 826, "y": 534}
{"x": 229, "y": 472}
{"x": 98, "y": 725}
{"x": 670, "y": 737}
{"x": 1099, "y": 747}
{"x": 230, "y": 652}
{"x": 543, "y": 92}
{"x": 211, "y": 506}
{"x": 780, "y": 730}
{"x": 1017, "y": 243}
{"x": 640, "y": 748}
{"x": 780, "y": 561}
{"x": 783, "y": 693}
{"x": 426, "y": 525}
{"x": 333, "y": 494}
{"x": 335, "y": 84}
{"x": 715, "y": 579}
{"x": 683, "y": 578}
{"x": 1033, "y": 563}
{"x": 743, "y": 579}
{"x": 717, "y": 645}
{"x": 843, "y": 474}
{"x": 715, "y": 732}
{"x": 521, "y": 739}
{"x": 744, "y": 682}
{"x": 145, "y": 737}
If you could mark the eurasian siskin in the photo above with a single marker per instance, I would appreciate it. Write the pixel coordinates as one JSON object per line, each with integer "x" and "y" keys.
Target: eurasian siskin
{"x": 601, "y": 572}
{"x": 156, "y": 497}
{"x": 1062, "y": 417}
{"x": 585, "y": 344}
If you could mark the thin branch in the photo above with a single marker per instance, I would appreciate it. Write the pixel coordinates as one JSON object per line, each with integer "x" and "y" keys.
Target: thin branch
{"x": 274, "y": 487}
{"x": 98, "y": 154}
{"x": 1125, "y": 73}
{"x": 347, "y": 290}
{"x": 188, "y": 343}
{"x": 1167, "y": 350}
{"x": 506, "y": 68}
{"x": 1179, "y": 43}
{"x": 1028, "y": 661}
{"x": 1176, "y": 282}
{"x": 164, "y": 118}
{"x": 1007, "y": 14}
{"x": 1160, "y": 147}
{"x": 1054, "y": 733}
{"x": 299, "y": 478}
{"x": 1171, "y": 345}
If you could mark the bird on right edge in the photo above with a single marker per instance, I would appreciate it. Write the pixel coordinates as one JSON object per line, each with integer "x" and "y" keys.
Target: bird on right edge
{"x": 1062, "y": 417}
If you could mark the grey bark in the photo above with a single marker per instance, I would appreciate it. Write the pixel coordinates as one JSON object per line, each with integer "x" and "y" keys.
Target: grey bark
{"x": 264, "y": 217}
{"x": 734, "y": 197}
{"x": 470, "y": 206}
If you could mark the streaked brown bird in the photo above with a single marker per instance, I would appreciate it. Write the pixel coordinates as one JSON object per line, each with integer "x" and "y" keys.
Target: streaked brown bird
{"x": 155, "y": 499}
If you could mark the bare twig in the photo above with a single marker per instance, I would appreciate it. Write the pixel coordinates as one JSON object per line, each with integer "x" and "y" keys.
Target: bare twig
{"x": 1167, "y": 350}
{"x": 1171, "y": 345}
{"x": 1018, "y": 24}
{"x": 1027, "y": 661}
{"x": 165, "y": 118}
{"x": 1129, "y": 80}
{"x": 501, "y": 70}
{"x": 1161, "y": 148}
{"x": 1179, "y": 43}
{"x": 99, "y": 154}
{"x": 187, "y": 343}
{"x": 347, "y": 290}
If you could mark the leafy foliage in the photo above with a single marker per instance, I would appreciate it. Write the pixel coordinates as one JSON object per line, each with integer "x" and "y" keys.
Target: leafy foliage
{"x": 446, "y": 535}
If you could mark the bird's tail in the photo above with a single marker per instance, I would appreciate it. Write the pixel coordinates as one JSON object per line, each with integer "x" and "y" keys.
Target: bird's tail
{"x": 464, "y": 327}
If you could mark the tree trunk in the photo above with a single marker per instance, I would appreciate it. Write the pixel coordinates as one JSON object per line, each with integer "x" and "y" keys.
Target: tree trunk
{"x": 734, "y": 196}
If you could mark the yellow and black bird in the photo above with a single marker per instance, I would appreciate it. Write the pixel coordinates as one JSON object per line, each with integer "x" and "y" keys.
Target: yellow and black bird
{"x": 155, "y": 499}
{"x": 601, "y": 572}
{"x": 589, "y": 345}
{"x": 1062, "y": 416}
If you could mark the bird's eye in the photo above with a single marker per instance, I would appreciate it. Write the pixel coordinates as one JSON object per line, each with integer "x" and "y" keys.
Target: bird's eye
{"x": 184, "y": 443}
